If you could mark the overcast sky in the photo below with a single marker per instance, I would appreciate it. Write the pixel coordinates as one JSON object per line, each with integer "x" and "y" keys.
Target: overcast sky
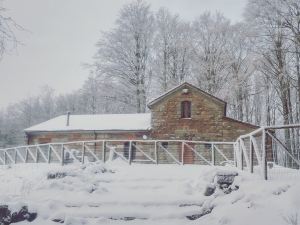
{"x": 62, "y": 37}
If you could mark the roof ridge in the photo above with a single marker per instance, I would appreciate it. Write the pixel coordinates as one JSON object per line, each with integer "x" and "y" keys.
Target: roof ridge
{"x": 160, "y": 97}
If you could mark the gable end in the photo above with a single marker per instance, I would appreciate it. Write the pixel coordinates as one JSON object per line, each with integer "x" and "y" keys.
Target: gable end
{"x": 182, "y": 87}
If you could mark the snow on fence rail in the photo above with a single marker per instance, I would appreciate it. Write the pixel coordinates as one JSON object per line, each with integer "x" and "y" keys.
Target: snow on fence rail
{"x": 271, "y": 151}
{"x": 132, "y": 151}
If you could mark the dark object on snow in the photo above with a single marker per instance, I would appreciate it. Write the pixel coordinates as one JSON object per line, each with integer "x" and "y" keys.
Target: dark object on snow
{"x": 92, "y": 189}
{"x": 7, "y": 217}
{"x": 229, "y": 189}
{"x": 58, "y": 220}
{"x": 190, "y": 204}
{"x": 127, "y": 218}
{"x": 199, "y": 215}
{"x": 22, "y": 215}
{"x": 225, "y": 177}
{"x": 210, "y": 189}
{"x": 56, "y": 175}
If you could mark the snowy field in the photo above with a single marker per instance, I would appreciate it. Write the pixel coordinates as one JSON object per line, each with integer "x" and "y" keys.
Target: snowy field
{"x": 117, "y": 193}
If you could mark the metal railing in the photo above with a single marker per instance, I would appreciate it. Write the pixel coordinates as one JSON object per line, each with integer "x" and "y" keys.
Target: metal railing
{"x": 271, "y": 151}
{"x": 132, "y": 151}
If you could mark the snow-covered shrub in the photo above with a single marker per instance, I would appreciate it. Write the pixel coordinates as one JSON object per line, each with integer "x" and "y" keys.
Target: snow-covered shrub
{"x": 8, "y": 216}
{"x": 223, "y": 180}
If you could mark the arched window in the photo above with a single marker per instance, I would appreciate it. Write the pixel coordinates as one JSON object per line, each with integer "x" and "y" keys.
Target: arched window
{"x": 186, "y": 109}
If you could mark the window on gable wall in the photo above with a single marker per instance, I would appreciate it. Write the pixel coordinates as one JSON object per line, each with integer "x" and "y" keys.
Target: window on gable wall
{"x": 186, "y": 109}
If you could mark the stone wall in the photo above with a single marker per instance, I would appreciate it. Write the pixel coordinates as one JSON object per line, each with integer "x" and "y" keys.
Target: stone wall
{"x": 207, "y": 123}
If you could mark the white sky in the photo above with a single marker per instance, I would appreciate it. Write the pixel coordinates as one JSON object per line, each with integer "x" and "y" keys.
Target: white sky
{"x": 63, "y": 34}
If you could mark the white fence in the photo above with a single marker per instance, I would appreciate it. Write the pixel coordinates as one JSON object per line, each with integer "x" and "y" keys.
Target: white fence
{"x": 272, "y": 151}
{"x": 132, "y": 151}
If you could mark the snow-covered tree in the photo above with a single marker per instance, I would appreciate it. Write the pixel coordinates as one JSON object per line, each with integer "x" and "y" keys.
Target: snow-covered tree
{"x": 8, "y": 27}
{"x": 124, "y": 53}
{"x": 211, "y": 33}
{"x": 172, "y": 47}
{"x": 240, "y": 69}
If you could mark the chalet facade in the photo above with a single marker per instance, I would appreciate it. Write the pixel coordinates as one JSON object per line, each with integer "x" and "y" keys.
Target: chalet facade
{"x": 185, "y": 112}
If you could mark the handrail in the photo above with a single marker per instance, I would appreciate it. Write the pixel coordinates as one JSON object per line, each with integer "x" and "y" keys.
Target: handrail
{"x": 261, "y": 150}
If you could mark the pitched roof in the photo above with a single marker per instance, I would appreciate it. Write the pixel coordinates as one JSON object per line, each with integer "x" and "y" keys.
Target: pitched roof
{"x": 101, "y": 122}
{"x": 181, "y": 86}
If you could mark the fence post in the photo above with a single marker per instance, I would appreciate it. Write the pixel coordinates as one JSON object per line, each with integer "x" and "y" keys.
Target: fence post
{"x": 62, "y": 154}
{"x": 83, "y": 152}
{"x": 15, "y": 156}
{"x": 26, "y": 155}
{"x": 213, "y": 155}
{"x": 37, "y": 155}
{"x": 242, "y": 155}
{"x": 234, "y": 153}
{"x": 130, "y": 152}
{"x": 182, "y": 153}
{"x": 264, "y": 158}
{"x": 156, "y": 152}
{"x": 5, "y": 158}
{"x": 49, "y": 153}
{"x": 104, "y": 150}
{"x": 251, "y": 154}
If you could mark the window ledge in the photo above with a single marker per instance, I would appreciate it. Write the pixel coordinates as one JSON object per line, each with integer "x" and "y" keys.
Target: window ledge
{"x": 186, "y": 118}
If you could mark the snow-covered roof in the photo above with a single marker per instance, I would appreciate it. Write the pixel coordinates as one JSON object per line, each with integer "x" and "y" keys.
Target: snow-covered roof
{"x": 101, "y": 122}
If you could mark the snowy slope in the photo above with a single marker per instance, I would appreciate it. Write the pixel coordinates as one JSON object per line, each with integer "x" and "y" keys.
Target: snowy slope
{"x": 144, "y": 194}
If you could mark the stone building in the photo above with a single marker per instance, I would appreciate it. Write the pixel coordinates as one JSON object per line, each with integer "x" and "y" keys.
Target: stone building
{"x": 183, "y": 113}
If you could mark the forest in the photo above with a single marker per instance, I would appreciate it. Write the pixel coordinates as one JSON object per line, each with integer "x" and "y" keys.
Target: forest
{"x": 254, "y": 65}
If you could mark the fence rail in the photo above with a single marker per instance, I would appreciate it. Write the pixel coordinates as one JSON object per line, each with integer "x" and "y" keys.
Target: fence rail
{"x": 132, "y": 151}
{"x": 272, "y": 152}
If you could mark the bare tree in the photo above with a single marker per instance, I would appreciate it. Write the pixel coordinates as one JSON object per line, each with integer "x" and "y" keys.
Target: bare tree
{"x": 172, "y": 49}
{"x": 91, "y": 94}
{"x": 240, "y": 71}
{"x": 210, "y": 51}
{"x": 124, "y": 52}
{"x": 274, "y": 47}
{"x": 8, "y": 26}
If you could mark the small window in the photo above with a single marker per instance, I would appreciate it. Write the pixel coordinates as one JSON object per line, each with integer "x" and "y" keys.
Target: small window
{"x": 186, "y": 109}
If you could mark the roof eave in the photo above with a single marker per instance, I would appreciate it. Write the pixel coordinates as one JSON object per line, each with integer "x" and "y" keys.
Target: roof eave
{"x": 81, "y": 130}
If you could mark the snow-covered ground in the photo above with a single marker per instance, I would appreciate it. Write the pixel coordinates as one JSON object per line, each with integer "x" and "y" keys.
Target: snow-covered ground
{"x": 116, "y": 193}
